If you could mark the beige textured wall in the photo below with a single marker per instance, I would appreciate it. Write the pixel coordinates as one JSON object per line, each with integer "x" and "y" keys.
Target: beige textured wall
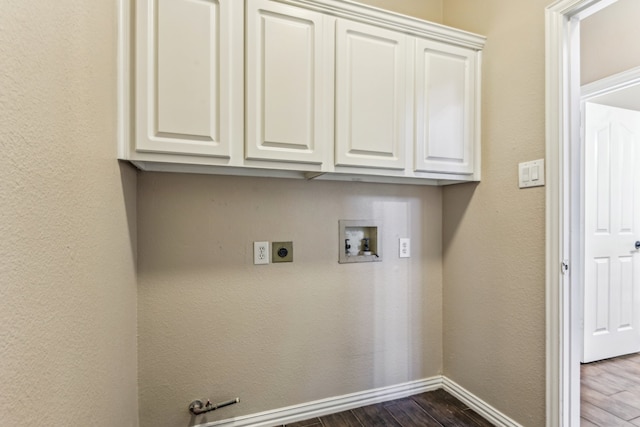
{"x": 431, "y": 10}
{"x": 493, "y": 237}
{"x": 609, "y": 41}
{"x": 212, "y": 324}
{"x": 67, "y": 221}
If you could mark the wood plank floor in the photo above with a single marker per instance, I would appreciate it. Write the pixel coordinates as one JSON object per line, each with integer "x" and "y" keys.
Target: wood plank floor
{"x": 610, "y": 392}
{"x": 432, "y": 409}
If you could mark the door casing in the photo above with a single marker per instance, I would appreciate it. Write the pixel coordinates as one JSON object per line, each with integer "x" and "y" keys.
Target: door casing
{"x": 562, "y": 43}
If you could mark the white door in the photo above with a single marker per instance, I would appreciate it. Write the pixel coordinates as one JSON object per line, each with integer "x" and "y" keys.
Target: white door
{"x": 188, "y": 54}
{"x": 612, "y": 228}
{"x": 445, "y": 101}
{"x": 288, "y": 83}
{"x": 371, "y": 95}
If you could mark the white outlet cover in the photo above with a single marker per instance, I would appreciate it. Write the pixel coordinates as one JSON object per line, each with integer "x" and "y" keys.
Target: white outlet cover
{"x": 261, "y": 253}
{"x": 405, "y": 248}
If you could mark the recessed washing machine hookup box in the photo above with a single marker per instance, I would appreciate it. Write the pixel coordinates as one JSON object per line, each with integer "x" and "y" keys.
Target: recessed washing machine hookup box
{"x": 360, "y": 241}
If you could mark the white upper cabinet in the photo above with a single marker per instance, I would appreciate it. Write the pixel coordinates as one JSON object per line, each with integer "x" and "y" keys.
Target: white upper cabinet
{"x": 370, "y": 96}
{"x": 314, "y": 89}
{"x": 446, "y": 105}
{"x": 187, "y": 57}
{"x": 287, "y": 83}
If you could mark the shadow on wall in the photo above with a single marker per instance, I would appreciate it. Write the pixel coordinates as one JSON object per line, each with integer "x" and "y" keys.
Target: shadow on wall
{"x": 455, "y": 200}
{"x": 129, "y": 180}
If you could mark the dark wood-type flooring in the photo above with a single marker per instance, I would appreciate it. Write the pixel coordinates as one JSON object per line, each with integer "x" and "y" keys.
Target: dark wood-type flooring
{"x": 609, "y": 397}
{"x": 432, "y": 409}
{"x": 610, "y": 392}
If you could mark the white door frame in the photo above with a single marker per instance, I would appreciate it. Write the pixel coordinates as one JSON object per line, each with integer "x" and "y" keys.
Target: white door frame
{"x": 610, "y": 84}
{"x": 562, "y": 20}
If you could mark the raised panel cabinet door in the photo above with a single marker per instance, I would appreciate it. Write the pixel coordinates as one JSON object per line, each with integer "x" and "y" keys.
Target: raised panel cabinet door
{"x": 189, "y": 57}
{"x": 445, "y": 91}
{"x": 286, "y": 83}
{"x": 370, "y": 96}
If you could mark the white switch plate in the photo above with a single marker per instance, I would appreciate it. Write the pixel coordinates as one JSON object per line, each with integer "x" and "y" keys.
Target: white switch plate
{"x": 260, "y": 253}
{"x": 531, "y": 174}
{"x": 405, "y": 248}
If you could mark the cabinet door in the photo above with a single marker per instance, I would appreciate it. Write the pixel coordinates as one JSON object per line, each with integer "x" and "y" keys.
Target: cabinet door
{"x": 370, "y": 109}
{"x": 189, "y": 54}
{"x": 445, "y": 108}
{"x": 286, "y": 83}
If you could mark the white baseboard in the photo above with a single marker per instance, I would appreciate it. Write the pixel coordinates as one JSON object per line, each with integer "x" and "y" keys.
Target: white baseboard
{"x": 487, "y": 411}
{"x": 336, "y": 404}
{"x": 331, "y": 405}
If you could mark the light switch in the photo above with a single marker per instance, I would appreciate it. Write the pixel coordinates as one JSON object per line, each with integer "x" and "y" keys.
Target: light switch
{"x": 531, "y": 174}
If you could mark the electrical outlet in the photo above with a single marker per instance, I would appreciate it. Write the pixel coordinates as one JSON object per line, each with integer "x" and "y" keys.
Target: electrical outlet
{"x": 405, "y": 248}
{"x": 260, "y": 253}
{"x": 282, "y": 252}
